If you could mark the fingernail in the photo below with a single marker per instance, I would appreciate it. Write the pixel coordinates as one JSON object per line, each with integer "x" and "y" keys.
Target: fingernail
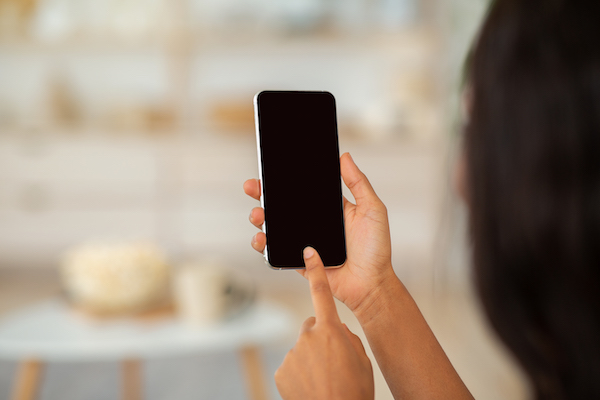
{"x": 250, "y": 217}
{"x": 309, "y": 252}
{"x": 350, "y": 155}
{"x": 253, "y": 239}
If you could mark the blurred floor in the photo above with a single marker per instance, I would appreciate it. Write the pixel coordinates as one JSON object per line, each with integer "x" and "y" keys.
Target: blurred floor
{"x": 453, "y": 315}
{"x": 195, "y": 376}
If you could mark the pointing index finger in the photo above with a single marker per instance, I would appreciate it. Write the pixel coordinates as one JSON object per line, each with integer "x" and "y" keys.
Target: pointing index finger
{"x": 320, "y": 290}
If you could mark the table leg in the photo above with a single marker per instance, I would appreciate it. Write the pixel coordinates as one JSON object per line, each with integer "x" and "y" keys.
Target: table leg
{"x": 254, "y": 373}
{"x": 132, "y": 379}
{"x": 28, "y": 380}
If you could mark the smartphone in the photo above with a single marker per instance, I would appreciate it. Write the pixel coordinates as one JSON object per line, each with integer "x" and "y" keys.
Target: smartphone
{"x": 299, "y": 167}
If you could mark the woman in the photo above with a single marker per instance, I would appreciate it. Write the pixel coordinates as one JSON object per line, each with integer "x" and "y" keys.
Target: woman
{"x": 531, "y": 180}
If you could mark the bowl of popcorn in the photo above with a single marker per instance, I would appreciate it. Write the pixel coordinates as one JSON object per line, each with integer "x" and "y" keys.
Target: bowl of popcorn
{"x": 116, "y": 278}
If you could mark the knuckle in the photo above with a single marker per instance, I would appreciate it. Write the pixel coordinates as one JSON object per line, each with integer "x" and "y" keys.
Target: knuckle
{"x": 320, "y": 287}
{"x": 329, "y": 328}
{"x": 383, "y": 207}
{"x": 278, "y": 374}
{"x": 331, "y": 336}
{"x": 287, "y": 357}
{"x": 356, "y": 182}
{"x": 303, "y": 339}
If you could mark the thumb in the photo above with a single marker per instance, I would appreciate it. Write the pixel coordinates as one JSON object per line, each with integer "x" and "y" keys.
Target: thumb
{"x": 357, "y": 182}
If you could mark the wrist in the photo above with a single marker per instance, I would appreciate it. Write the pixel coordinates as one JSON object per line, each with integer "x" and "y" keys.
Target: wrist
{"x": 379, "y": 298}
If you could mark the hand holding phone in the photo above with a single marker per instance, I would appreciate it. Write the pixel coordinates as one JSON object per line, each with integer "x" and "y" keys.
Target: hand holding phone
{"x": 368, "y": 266}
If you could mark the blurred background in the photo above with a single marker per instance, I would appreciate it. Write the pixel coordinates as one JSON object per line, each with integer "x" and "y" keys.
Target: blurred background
{"x": 131, "y": 120}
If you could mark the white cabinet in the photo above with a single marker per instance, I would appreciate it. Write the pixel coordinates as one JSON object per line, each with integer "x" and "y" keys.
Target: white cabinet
{"x": 186, "y": 195}
{"x": 59, "y": 193}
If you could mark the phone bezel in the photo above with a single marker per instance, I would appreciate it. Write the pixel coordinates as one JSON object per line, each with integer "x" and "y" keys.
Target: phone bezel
{"x": 260, "y": 173}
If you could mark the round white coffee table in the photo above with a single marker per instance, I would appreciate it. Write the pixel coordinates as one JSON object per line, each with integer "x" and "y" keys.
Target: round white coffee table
{"x": 52, "y": 332}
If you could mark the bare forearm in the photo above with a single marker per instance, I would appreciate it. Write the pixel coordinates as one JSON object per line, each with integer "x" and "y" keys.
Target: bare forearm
{"x": 409, "y": 355}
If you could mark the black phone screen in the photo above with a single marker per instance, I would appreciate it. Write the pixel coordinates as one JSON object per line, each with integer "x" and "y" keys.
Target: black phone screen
{"x": 301, "y": 185}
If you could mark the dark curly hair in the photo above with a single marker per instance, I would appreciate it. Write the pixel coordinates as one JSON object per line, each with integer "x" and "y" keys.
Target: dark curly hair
{"x": 532, "y": 146}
